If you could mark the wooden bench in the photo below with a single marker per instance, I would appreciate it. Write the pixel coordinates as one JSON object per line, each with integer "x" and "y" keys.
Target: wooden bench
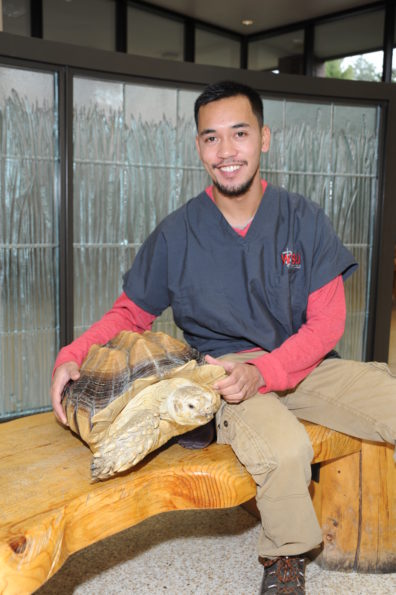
{"x": 49, "y": 508}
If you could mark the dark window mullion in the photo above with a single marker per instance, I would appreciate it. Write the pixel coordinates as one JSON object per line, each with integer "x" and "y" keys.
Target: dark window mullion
{"x": 36, "y": 18}
{"x": 66, "y": 285}
{"x": 121, "y": 25}
{"x": 389, "y": 31}
{"x": 189, "y": 40}
{"x": 244, "y": 52}
{"x": 309, "y": 42}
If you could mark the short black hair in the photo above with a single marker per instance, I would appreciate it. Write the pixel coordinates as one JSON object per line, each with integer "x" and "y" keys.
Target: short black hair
{"x": 224, "y": 89}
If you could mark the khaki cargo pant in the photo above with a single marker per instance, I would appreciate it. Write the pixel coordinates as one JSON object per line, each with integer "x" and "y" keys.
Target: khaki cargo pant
{"x": 352, "y": 397}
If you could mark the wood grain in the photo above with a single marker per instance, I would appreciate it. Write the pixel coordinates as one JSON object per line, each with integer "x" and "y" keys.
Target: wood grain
{"x": 336, "y": 500}
{"x": 329, "y": 444}
{"x": 49, "y": 508}
{"x": 377, "y": 548}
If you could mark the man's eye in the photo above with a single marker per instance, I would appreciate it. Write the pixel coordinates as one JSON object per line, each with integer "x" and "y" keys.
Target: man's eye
{"x": 210, "y": 139}
{"x": 240, "y": 133}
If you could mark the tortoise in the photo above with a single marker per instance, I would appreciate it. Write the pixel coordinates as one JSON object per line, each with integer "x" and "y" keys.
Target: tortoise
{"x": 134, "y": 394}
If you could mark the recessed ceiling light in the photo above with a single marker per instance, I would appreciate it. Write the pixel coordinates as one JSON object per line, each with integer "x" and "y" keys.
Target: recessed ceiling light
{"x": 247, "y": 22}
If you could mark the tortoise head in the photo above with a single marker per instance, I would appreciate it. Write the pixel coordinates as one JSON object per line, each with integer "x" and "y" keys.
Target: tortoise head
{"x": 189, "y": 403}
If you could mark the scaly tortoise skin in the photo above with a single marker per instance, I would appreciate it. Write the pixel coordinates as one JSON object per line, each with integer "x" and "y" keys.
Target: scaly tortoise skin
{"x": 134, "y": 394}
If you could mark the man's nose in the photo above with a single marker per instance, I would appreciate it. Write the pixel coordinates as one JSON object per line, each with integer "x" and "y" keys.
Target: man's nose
{"x": 226, "y": 148}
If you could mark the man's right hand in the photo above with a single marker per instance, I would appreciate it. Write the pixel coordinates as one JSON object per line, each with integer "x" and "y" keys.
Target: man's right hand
{"x": 62, "y": 375}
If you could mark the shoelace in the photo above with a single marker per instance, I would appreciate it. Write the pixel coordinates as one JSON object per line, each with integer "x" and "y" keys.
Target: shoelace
{"x": 284, "y": 570}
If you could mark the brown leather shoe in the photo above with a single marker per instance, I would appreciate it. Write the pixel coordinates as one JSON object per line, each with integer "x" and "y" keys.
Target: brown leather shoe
{"x": 284, "y": 575}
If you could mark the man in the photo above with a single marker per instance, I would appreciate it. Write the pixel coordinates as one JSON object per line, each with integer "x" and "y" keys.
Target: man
{"x": 254, "y": 276}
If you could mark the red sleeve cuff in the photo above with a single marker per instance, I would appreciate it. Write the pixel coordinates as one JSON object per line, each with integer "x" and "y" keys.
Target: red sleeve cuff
{"x": 272, "y": 371}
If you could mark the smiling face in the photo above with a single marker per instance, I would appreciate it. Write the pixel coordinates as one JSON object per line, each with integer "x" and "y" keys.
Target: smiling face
{"x": 229, "y": 143}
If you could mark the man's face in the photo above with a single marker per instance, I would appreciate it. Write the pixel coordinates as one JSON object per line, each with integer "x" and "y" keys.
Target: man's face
{"x": 230, "y": 142}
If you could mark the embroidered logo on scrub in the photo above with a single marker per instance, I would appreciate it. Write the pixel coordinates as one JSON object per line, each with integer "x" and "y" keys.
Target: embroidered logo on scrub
{"x": 292, "y": 260}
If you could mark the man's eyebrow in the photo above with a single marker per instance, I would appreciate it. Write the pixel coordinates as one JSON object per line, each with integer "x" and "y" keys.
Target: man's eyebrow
{"x": 234, "y": 126}
{"x": 207, "y": 131}
{"x": 241, "y": 125}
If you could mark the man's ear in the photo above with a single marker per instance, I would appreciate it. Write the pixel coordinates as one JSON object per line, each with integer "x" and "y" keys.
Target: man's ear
{"x": 265, "y": 139}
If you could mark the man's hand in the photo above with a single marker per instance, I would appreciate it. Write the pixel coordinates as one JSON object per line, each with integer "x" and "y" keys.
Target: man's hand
{"x": 242, "y": 382}
{"x": 62, "y": 375}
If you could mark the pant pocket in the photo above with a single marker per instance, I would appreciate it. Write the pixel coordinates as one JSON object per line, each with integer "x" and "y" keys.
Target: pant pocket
{"x": 251, "y": 448}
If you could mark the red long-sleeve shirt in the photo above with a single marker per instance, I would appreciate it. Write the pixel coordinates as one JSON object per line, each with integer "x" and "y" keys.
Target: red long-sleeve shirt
{"x": 281, "y": 369}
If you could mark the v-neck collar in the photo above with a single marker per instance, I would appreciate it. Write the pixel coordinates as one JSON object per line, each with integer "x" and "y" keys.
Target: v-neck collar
{"x": 256, "y": 225}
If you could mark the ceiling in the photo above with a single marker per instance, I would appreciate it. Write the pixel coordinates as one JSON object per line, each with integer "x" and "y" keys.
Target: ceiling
{"x": 265, "y": 14}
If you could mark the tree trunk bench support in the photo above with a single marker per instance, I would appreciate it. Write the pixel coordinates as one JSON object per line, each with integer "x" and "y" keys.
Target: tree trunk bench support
{"x": 49, "y": 508}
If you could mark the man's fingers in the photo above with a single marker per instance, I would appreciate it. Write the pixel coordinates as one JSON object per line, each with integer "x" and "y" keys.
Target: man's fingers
{"x": 227, "y": 365}
{"x": 65, "y": 372}
{"x": 60, "y": 414}
{"x": 229, "y": 383}
{"x": 242, "y": 380}
{"x": 212, "y": 360}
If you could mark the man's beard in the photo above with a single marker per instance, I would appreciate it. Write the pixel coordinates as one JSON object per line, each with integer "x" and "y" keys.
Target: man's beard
{"x": 234, "y": 191}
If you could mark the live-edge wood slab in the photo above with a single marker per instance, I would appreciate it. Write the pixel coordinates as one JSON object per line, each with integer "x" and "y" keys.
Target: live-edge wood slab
{"x": 50, "y": 508}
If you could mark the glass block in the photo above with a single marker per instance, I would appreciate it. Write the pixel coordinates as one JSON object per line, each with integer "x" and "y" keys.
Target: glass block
{"x": 274, "y": 113}
{"x": 281, "y": 52}
{"x": 151, "y": 104}
{"x": 273, "y": 162}
{"x": 300, "y": 137}
{"x": 16, "y": 17}
{"x": 307, "y": 137}
{"x": 98, "y": 271}
{"x": 150, "y": 34}
{"x": 29, "y": 254}
{"x": 355, "y": 140}
{"x": 152, "y": 195}
{"x": 193, "y": 181}
{"x": 187, "y": 156}
{"x": 356, "y": 120}
{"x": 90, "y": 23}
{"x": 105, "y": 96}
{"x": 185, "y": 106}
{"x": 29, "y": 86}
{"x": 99, "y": 204}
{"x": 216, "y": 50}
{"x": 125, "y": 182}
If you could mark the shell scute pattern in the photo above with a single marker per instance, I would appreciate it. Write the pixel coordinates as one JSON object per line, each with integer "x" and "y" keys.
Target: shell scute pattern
{"x": 134, "y": 394}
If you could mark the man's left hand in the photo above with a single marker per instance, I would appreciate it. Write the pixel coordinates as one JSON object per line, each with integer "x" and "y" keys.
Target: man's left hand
{"x": 242, "y": 382}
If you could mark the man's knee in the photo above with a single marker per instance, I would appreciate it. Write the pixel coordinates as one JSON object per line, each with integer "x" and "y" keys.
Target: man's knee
{"x": 266, "y": 447}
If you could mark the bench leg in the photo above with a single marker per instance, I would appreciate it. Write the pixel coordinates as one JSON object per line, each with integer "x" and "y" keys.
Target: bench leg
{"x": 377, "y": 551}
{"x": 355, "y": 501}
{"x": 336, "y": 502}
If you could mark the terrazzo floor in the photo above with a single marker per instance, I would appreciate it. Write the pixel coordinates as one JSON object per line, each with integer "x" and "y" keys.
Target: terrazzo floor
{"x": 195, "y": 553}
{"x": 191, "y": 553}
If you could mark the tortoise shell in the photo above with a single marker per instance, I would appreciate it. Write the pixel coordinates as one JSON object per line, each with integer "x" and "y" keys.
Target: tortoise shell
{"x": 134, "y": 394}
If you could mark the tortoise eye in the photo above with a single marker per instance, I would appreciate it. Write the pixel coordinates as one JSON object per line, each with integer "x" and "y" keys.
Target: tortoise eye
{"x": 191, "y": 406}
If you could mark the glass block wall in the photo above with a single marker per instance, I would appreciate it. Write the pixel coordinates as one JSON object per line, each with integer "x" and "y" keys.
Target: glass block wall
{"x": 135, "y": 161}
{"x": 29, "y": 164}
